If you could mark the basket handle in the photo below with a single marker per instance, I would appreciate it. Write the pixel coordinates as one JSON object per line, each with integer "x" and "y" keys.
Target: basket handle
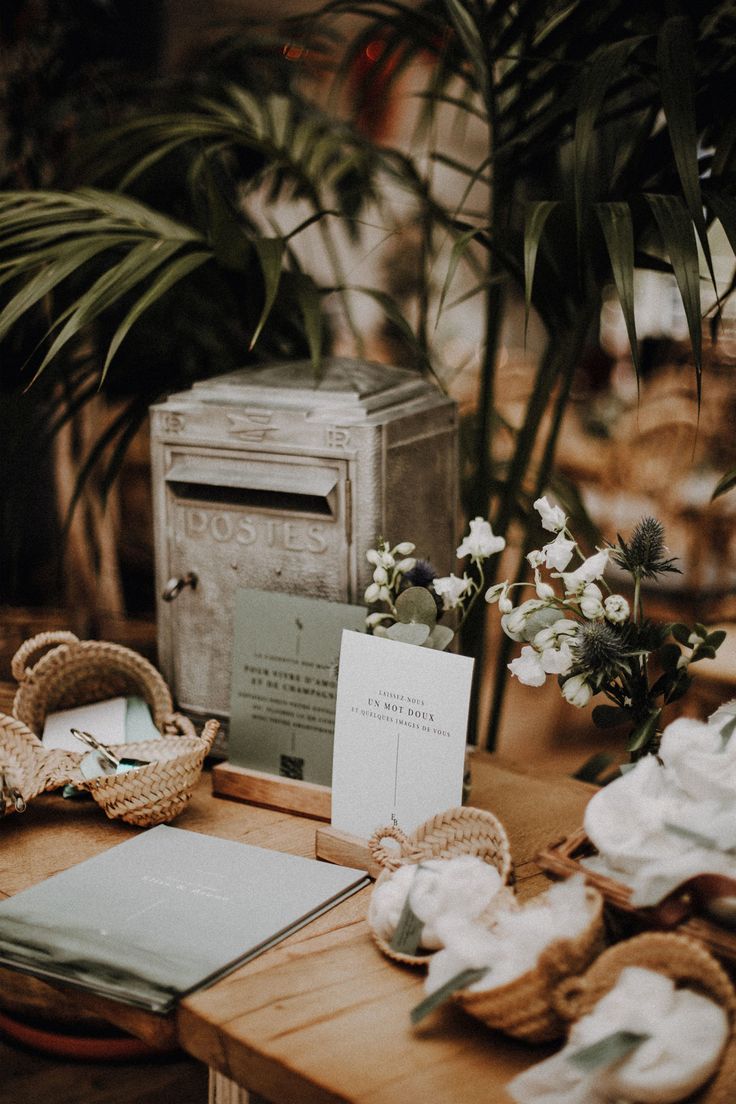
{"x": 390, "y": 859}
{"x": 33, "y": 648}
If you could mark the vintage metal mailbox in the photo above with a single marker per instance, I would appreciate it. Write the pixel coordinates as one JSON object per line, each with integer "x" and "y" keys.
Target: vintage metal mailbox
{"x": 264, "y": 479}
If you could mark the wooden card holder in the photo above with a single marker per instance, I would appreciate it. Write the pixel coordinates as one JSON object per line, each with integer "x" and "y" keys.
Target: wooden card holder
{"x": 259, "y": 788}
{"x": 341, "y": 848}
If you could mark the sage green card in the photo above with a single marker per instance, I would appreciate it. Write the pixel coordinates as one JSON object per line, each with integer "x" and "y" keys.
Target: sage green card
{"x": 282, "y": 706}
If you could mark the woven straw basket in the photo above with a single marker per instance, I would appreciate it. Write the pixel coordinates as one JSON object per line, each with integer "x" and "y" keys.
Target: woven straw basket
{"x": 684, "y": 960}
{"x": 75, "y": 673}
{"x": 525, "y": 1007}
{"x": 461, "y": 831}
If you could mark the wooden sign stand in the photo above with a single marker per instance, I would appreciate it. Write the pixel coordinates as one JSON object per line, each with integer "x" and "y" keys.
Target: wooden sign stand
{"x": 291, "y": 794}
{"x": 304, "y": 799}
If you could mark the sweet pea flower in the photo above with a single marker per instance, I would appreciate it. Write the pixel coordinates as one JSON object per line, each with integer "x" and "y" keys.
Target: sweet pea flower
{"x": 528, "y": 668}
{"x": 405, "y": 548}
{"x": 536, "y": 557}
{"x": 544, "y": 590}
{"x": 558, "y": 659}
{"x": 495, "y": 592}
{"x": 406, "y": 565}
{"x": 524, "y": 622}
{"x": 451, "y": 589}
{"x": 591, "y": 605}
{"x": 553, "y": 519}
{"x": 377, "y": 593}
{"x": 380, "y": 575}
{"x": 558, "y": 553}
{"x": 616, "y": 608}
{"x": 577, "y": 691}
{"x": 480, "y": 541}
{"x": 381, "y": 557}
{"x": 589, "y": 570}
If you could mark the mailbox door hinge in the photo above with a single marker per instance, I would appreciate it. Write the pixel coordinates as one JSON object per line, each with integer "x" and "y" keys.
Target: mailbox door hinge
{"x": 349, "y": 511}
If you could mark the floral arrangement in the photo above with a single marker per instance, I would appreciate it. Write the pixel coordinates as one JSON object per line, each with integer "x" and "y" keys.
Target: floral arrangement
{"x": 415, "y": 597}
{"x": 575, "y": 627}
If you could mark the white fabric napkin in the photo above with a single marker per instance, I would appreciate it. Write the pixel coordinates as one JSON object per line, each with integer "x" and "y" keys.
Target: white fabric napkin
{"x": 686, "y": 1031}
{"x": 462, "y": 887}
{"x": 518, "y": 937}
{"x": 670, "y": 817}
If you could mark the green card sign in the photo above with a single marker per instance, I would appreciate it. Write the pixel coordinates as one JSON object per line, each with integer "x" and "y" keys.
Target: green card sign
{"x": 285, "y": 653}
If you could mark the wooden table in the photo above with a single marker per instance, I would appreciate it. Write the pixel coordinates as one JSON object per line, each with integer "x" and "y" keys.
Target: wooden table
{"x": 323, "y": 1017}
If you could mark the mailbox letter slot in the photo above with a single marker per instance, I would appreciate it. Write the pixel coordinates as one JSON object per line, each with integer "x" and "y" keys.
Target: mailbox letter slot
{"x": 283, "y": 488}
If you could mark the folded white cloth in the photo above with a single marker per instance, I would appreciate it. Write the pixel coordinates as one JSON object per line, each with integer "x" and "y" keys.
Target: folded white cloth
{"x": 670, "y": 817}
{"x": 686, "y": 1031}
{"x": 516, "y": 941}
{"x": 462, "y": 887}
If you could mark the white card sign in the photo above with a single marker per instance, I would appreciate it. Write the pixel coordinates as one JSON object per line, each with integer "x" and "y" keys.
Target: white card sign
{"x": 400, "y": 730}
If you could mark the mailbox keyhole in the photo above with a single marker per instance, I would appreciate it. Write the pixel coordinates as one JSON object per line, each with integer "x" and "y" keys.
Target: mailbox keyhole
{"x": 175, "y": 586}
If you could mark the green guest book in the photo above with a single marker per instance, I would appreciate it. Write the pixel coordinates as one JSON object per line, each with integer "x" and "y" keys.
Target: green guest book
{"x": 165, "y": 913}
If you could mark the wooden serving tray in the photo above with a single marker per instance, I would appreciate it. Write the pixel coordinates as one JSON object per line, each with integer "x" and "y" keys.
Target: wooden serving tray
{"x": 563, "y": 859}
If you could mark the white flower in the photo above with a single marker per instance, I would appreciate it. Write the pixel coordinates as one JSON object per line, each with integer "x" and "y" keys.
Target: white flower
{"x": 494, "y": 593}
{"x": 404, "y": 566}
{"x": 563, "y": 627}
{"x": 535, "y": 558}
{"x": 380, "y": 556}
{"x": 591, "y": 605}
{"x": 374, "y": 619}
{"x": 524, "y": 622}
{"x": 528, "y": 668}
{"x": 480, "y": 541}
{"x": 589, "y": 570}
{"x": 376, "y": 593}
{"x": 544, "y": 590}
{"x": 505, "y": 604}
{"x": 451, "y": 590}
{"x": 404, "y": 549}
{"x": 552, "y": 517}
{"x": 577, "y": 691}
{"x": 558, "y": 553}
{"x": 557, "y": 660}
{"x": 616, "y": 608}
{"x": 380, "y": 575}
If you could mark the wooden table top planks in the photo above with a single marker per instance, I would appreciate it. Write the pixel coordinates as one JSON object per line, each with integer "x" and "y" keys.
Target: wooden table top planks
{"x": 323, "y": 1017}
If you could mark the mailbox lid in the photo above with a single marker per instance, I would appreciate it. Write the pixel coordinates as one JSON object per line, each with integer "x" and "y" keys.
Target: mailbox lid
{"x": 359, "y": 386}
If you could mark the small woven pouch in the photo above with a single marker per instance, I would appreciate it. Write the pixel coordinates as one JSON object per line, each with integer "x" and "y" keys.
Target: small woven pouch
{"x": 689, "y": 965}
{"x": 149, "y": 795}
{"x": 75, "y": 673}
{"x": 525, "y": 1007}
{"x": 460, "y": 831}
{"x": 56, "y": 670}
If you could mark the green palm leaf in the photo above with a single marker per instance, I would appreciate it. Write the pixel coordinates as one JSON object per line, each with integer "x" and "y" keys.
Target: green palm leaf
{"x": 618, "y": 230}
{"x": 536, "y": 218}
{"x": 678, "y": 236}
{"x": 676, "y": 78}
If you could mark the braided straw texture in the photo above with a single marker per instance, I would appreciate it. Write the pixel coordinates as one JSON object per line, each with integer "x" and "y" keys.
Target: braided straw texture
{"x": 57, "y": 671}
{"x": 148, "y": 795}
{"x": 525, "y": 1007}
{"x": 458, "y": 831}
{"x": 684, "y": 960}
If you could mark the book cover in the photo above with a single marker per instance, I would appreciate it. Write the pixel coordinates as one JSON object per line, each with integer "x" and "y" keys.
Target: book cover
{"x": 165, "y": 913}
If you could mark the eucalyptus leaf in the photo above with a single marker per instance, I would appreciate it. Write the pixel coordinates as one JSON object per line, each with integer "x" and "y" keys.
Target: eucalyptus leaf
{"x": 416, "y": 605}
{"x": 408, "y": 633}
{"x": 440, "y": 638}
